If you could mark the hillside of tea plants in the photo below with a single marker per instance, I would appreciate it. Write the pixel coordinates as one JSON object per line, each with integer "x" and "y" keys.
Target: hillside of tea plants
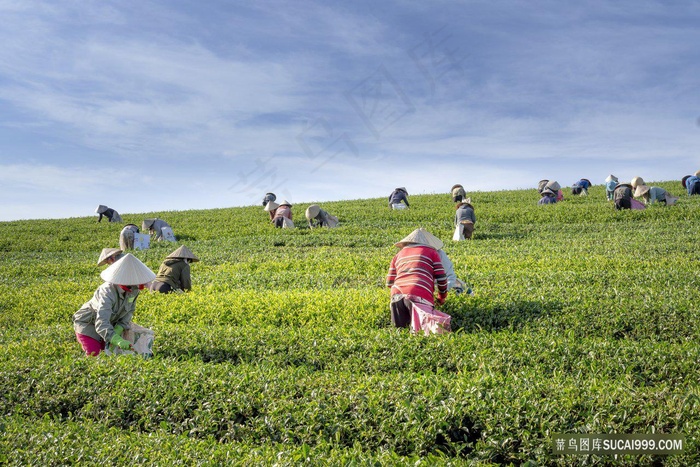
{"x": 583, "y": 320}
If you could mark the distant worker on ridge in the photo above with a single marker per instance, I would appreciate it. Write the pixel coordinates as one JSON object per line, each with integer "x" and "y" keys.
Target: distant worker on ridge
{"x": 458, "y": 193}
{"x": 581, "y": 187}
{"x": 317, "y": 217}
{"x": 109, "y": 213}
{"x": 398, "y": 196}
{"x": 610, "y": 184}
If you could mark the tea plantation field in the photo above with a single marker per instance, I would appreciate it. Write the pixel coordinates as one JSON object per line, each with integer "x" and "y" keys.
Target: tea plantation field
{"x": 584, "y": 320}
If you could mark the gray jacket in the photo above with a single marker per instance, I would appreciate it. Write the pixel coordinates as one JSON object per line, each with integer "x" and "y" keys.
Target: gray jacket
{"x": 109, "y": 306}
{"x": 465, "y": 213}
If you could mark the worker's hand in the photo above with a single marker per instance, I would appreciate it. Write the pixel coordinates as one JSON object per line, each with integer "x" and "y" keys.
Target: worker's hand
{"x": 121, "y": 343}
{"x": 118, "y": 330}
{"x": 441, "y": 298}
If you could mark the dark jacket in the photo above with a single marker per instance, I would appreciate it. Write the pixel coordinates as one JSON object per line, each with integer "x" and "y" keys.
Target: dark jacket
{"x": 176, "y": 272}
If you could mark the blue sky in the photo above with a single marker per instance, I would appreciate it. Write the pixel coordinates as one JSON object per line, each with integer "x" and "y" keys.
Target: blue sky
{"x": 185, "y": 104}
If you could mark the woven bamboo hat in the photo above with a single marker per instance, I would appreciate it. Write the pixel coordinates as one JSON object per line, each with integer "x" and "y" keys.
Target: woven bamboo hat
{"x": 101, "y": 208}
{"x": 611, "y": 178}
{"x": 271, "y": 206}
{"x": 106, "y": 254}
{"x": 421, "y": 237}
{"x": 285, "y": 203}
{"x": 456, "y": 186}
{"x": 637, "y": 181}
{"x": 641, "y": 190}
{"x": 128, "y": 270}
{"x": 312, "y": 211}
{"x": 697, "y": 174}
{"x": 183, "y": 253}
{"x": 553, "y": 185}
{"x": 147, "y": 223}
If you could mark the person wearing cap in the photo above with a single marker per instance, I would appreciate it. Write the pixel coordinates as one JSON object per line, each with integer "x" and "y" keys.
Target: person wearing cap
{"x": 281, "y": 212}
{"x": 109, "y": 312}
{"x": 109, "y": 256}
{"x": 109, "y": 213}
{"x": 554, "y": 186}
{"x": 174, "y": 272}
{"x": 581, "y": 187}
{"x": 654, "y": 194}
{"x": 547, "y": 196}
{"x": 398, "y": 196}
{"x": 267, "y": 198}
{"x": 691, "y": 183}
{"x": 458, "y": 193}
{"x": 622, "y": 196}
{"x": 126, "y": 236}
{"x": 636, "y": 181}
{"x": 464, "y": 216}
{"x": 155, "y": 227}
{"x": 610, "y": 184}
{"x": 413, "y": 274}
{"x": 317, "y": 217}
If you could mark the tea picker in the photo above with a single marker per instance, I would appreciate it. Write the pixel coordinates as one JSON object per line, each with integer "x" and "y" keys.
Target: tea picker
{"x": 317, "y": 217}
{"x": 174, "y": 272}
{"x": 109, "y": 256}
{"x": 398, "y": 199}
{"x": 103, "y": 319}
{"x": 413, "y": 274}
{"x": 109, "y": 213}
{"x": 159, "y": 229}
{"x": 464, "y": 220}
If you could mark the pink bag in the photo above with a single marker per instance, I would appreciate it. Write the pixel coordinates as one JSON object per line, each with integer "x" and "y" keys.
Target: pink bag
{"x": 429, "y": 320}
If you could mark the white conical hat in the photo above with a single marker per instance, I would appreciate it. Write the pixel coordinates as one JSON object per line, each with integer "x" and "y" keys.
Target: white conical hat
{"x": 106, "y": 253}
{"x": 312, "y": 211}
{"x": 553, "y": 185}
{"x": 611, "y": 178}
{"x": 286, "y": 203}
{"x": 147, "y": 223}
{"x": 640, "y": 190}
{"x": 128, "y": 270}
{"x": 697, "y": 174}
{"x": 637, "y": 181}
{"x": 101, "y": 208}
{"x": 271, "y": 206}
{"x": 422, "y": 237}
{"x": 184, "y": 253}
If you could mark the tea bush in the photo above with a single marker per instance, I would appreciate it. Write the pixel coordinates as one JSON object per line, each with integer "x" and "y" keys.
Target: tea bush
{"x": 584, "y": 320}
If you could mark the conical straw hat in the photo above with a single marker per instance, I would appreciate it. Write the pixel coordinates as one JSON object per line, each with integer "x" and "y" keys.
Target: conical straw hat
{"x": 422, "y": 237}
{"x": 271, "y": 206}
{"x": 553, "y": 185}
{"x": 286, "y": 203}
{"x": 184, "y": 253}
{"x": 697, "y": 174}
{"x": 129, "y": 270}
{"x": 456, "y": 186}
{"x": 401, "y": 188}
{"x": 312, "y": 211}
{"x": 106, "y": 253}
{"x": 611, "y": 178}
{"x": 101, "y": 208}
{"x": 640, "y": 190}
{"x": 147, "y": 223}
{"x": 637, "y": 181}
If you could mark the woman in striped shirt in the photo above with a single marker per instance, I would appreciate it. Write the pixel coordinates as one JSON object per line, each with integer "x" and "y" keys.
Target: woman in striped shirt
{"x": 413, "y": 274}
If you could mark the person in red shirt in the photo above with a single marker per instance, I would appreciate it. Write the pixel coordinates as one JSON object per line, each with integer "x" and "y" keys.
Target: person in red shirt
{"x": 413, "y": 274}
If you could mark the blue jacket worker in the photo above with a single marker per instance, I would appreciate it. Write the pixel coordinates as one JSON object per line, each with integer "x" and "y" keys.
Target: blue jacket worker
{"x": 581, "y": 187}
{"x": 610, "y": 184}
{"x": 692, "y": 183}
{"x": 398, "y": 196}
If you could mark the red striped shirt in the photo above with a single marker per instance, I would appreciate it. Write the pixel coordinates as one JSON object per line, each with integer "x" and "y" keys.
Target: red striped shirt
{"x": 414, "y": 271}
